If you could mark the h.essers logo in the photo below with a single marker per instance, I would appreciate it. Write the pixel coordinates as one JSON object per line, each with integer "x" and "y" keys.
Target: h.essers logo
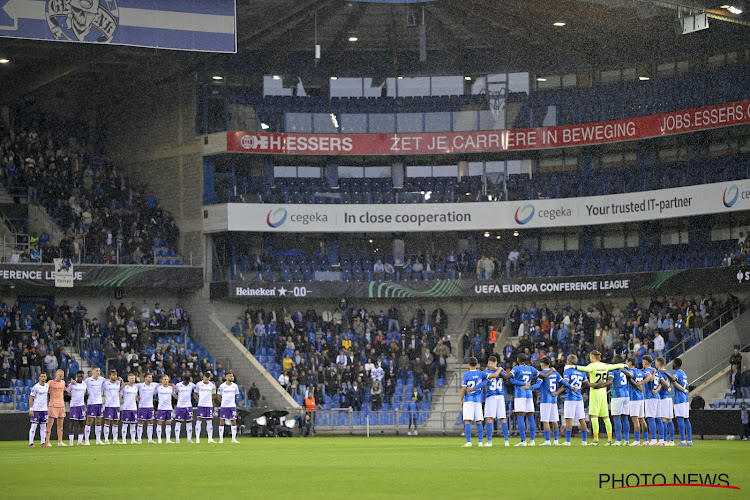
{"x": 730, "y": 195}
{"x": 525, "y": 213}
{"x": 279, "y": 215}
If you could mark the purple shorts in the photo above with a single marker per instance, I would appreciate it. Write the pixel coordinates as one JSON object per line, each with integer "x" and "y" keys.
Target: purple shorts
{"x": 228, "y": 413}
{"x": 163, "y": 415}
{"x": 77, "y": 413}
{"x": 183, "y": 414}
{"x": 145, "y": 413}
{"x": 94, "y": 411}
{"x": 129, "y": 417}
{"x": 205, "y": 412}
{"x": 39, "y": 417}
{"x": 111, "y": 413}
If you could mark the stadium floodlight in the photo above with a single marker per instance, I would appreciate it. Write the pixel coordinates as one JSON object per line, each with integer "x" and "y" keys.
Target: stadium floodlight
{"x": 334, "y": 78}
{"x": 217, "y": 77}
{"x": 644, "y": 78}
{"x": 734, "y": 9}
{"x": 516, "y": 233}
{"x": 467, "y": 78}
{"x": 427, "y": 195}
{"x": 353, "y": 38}
{"x": 4, "y": 61}
{"x": 486, "y": 234}
{"x": 541, "y": 79}
{"x": 276, "y": 77}
{"x": 264, "y": 126}
{"x": 334, "y": 121}
{"x": 558, "y": 24}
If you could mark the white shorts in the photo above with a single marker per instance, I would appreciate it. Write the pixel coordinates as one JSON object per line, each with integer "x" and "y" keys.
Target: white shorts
{"x": 682, "y": 410}
{"x": 548, "y": 412}
{"x": 637, "y": 408}
{"x": 666, "y": 409}
{"x": 494, "y": 407}
{"x": 574, "y": 410}
{"x": 652, "y": 407}
{"x": 619, "y": 406}
{"x": 523, "y": 405}
{"x": 473, "y": 411}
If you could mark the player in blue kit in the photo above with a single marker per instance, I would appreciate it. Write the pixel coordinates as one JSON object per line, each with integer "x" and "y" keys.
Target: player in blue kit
{"x": 523, "y": 403}
{"x": 552, "y": 384}
{"x": 651, "y": 387}
{"x": 681, "y": 403}
{"x": 666, "y": 408}
{"x": 635, "y": 393}
{"x": 620, "y": 404}
{"x": 573, "y": 406}
{"x": 472, "y": 398}
{"x": 494, "y": 401}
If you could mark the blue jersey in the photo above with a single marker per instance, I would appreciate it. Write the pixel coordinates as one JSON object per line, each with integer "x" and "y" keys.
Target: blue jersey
{"x": 664, "y": 391}
{"x": 549, "y": 385}
{"x": 472, "y": 379}
{"x": 650, "y": 386}
{"x": 495, "y": 386}
{"x": 575, "y": 378}
{"x": 523, "y": 373}
{"x": 619, "y": 385}
{"x": 636, "y": 394}
{"x": 679, "y": 396}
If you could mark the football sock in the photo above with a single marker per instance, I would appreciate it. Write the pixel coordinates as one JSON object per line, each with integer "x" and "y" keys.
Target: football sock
{"x": 221, "y": 432}
{"x": 505, "y": 430}
{"x": 132, "y": 432}
{"x": 150, "y": 432}
{"x": 618, "y": 429}
{"x": 168, "y": 432}
{"x": 583, "y": 436}
{"x": 87, "y": 432}
{"x": 106, "y": 432}
{"x": 98, "y": 432}
{"x": 234, "y": 432}
{"x": 70, "y": 437}
{"x": 80, "y": 437}
{"x": 467, "y": 432}
{"x": 177, "y": 428}
{"x": 210, "y": 429}
{"x": 140, "y": 431}
{"x": 595, "y": 428}
{"x": 637, "y": 435}
{"x": 158, "y": 432}
{"x": 532, "y": 427}
{"x": 198, "y": 429}
{"x": 662, "y": 426}
{"x": 670, "y": 430}
{"x": 546, "y": 436}
{"x": 522, "y": 427}
{"x": 681, "y": 428}
{"x": 32, "y": 432}
{"x": 480, "y": 431}
{"x": 490, "y": 430}
{"x": 626, "y": 429}
{"x": 125, "y": 432}
{"x": 567, "y": 435}
{"x": 114, "y": 432}
{"x": 556, "y": 434}
{"x": 689, "y": 430}
{"x": 189, "y": 429}
{"x": 43, "y": 433}
{"x": 608, "y": 428}
{"x": 652, "y": 428}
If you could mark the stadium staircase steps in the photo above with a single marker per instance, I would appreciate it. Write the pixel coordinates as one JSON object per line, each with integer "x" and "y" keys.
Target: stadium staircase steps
{"x": 219, "y": 341}
{"x": 715, "y": 387}
{"x": 446, "y": 400}
{"x": 84, "y": 363}
{"x": 42, "y": 222}
{"x": 5, "y": 197}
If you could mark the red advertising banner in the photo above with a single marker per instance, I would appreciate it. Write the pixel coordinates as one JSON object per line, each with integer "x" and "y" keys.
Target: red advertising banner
{"x": 644, "y": 127}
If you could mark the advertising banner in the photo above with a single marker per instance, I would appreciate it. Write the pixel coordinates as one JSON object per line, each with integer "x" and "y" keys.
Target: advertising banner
{"x": 197, "y": 25}
{"x": 100, "y": 276}
{"x": 486, "y": 141}
{"x": 717, "y": 280}
{"x": 687, "y": 201}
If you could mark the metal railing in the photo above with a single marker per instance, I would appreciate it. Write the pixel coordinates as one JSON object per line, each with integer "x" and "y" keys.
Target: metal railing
{"x": 689, "y": 335}
{"x": 716, "y": 369}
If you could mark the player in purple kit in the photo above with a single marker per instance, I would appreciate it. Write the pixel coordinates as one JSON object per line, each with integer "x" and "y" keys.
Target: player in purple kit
{"x": 206, "y": 391}
{"x": 38, "y": 411}
{"x": 228, "y": 393}
{"x": 111, "y": 405}
{"x": 129, "y": 393}
{"x": 94, "y": 410}
{"x": 146, "y": 392}
{"x": 77, "y": 391}
{"x": 165, "y": 391}
{"x": 184, "y": 410}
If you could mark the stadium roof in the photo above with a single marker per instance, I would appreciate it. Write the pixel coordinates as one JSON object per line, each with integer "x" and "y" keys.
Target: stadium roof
{"x": 468, "y": 37}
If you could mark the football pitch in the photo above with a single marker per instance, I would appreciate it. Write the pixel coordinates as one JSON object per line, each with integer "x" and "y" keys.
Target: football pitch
{"x": 362, "y": 468}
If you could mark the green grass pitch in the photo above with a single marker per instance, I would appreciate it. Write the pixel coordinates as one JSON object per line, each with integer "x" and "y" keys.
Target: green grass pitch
{"x": 358, "y": 468}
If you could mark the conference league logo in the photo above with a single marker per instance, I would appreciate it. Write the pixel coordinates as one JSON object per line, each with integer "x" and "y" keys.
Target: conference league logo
{"x": 83, "y": 20}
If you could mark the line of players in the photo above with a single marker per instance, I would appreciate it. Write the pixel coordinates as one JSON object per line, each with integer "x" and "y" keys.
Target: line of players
{"x": 136, "y": 411}
{"x": 638, "y": 395}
